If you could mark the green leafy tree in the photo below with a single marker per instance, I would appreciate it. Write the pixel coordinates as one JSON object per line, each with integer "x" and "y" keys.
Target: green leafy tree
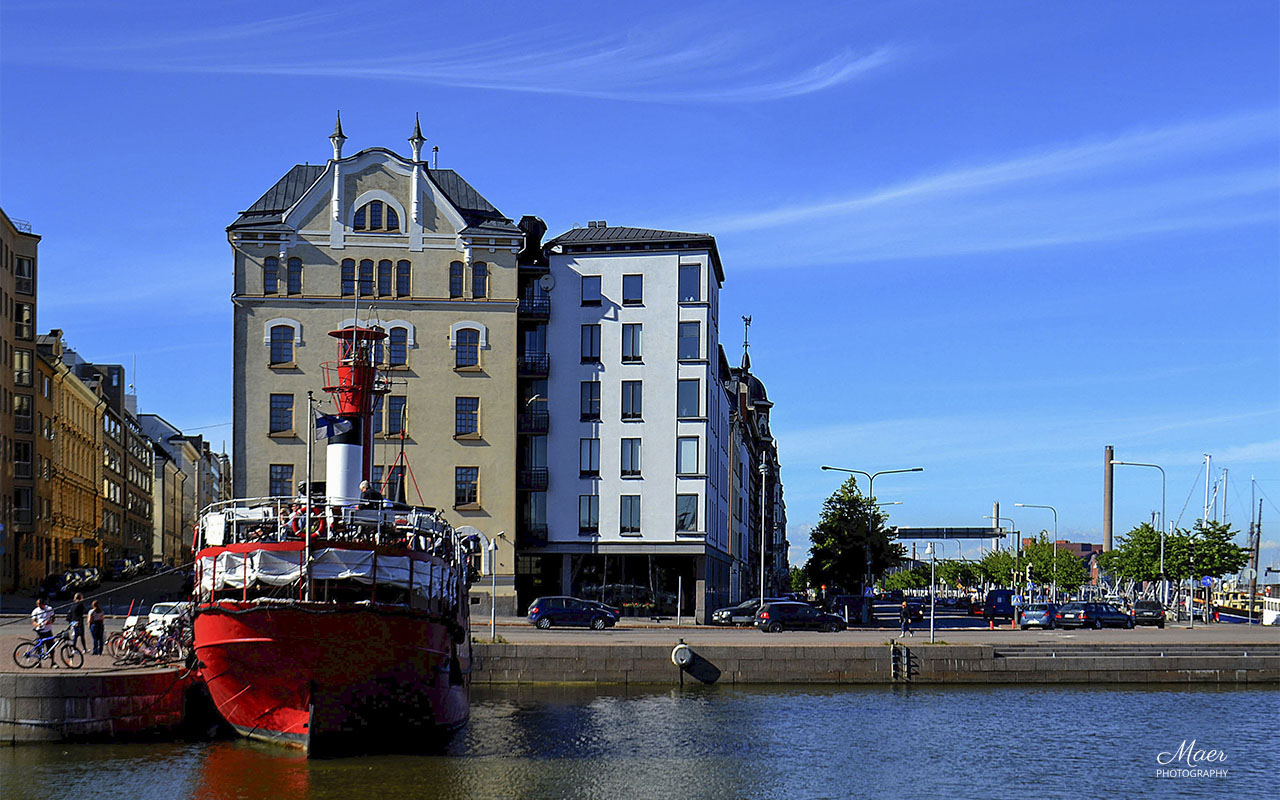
{"x": 799, "y": 583}
{"x": 1136, "y": 555}
{"x": 849, "y": 530}
{"x": 1206, "y": 549}
{"x": 958, "y": 574}
{"x": 996, "y": 567}
{"x": 1070, "y": 574}
{"x": 915, "y": 578}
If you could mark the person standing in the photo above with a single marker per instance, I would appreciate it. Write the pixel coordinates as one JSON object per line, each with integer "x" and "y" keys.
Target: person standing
{"x": 76, "y": 617}
{"x": 96, "y": 619}
{"x": 904, "y": 616}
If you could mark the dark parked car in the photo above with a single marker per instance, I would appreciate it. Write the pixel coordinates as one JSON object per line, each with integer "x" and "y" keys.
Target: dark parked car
{"x": 838, "y": 603}
{"x": 570, "y": 611}
{"x": 57, "y": 584}
{"x": 88, "y": 578}
{"x": 1040, "y": 615}
{"x": 743, "y": 613}
{"x": 119, "y": 569}
{"x": 999, "y": 605}
{"x": 791, "y": 616}
{"x": 1092, "y": 615}
{"x": 1148, "y": 612}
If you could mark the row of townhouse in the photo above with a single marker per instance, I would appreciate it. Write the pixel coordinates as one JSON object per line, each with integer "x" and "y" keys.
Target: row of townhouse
{"x": 85, "y": 478}
{"x": 570, "y": 401}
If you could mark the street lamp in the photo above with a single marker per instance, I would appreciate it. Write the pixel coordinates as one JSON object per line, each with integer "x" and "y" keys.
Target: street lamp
{"x": 764, "y": 474}
{"x": 871, "y": 483}
{"x": 933, "y": 600}
{"x": 1055, "y": 543}
{"x": 1163, "y": 583}
{"x": 493, "y": 586}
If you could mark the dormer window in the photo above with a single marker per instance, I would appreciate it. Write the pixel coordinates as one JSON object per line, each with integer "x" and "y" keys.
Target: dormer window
{"x": 376, "y": 216}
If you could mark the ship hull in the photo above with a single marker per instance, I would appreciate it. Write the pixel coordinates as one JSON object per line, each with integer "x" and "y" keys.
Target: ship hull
{"x": 333, "y": 680}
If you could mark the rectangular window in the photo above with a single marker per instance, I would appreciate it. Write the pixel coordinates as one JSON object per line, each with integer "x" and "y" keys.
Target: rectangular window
{"x": 589, "y": 406}
{"x": 466, "y": 486}
{"x": 690, "y": 283}
{"x": 384, "y": 278}
{"x": 686, "y": 513}
{"x": 632, "y": 399}
{"x": 689, "y": 344}
{"x": 479, "y": 280}
{"x": 631, "y": 342}
{"x": 366, "y": 278}
{"x": 590, "y": 344}
{"x": 687, "y": 455}
{"x": 23, "y": 320}
{"x": 402, "y": 278}
{"x": 630, "y": 458}
{"x": 281, "y": 413}
{"x": 591, "y": 290}
{"x": 632, "y": 290}
{"x": 629, "y": 514}
{"x": 455, "y": 279}
{"x": 21, "y": 459}
{"x": 397, "y": 419}
{"x": 348, "y": 277}
{"x": 466, "y": 415}
{"x": 281, "y": 480}
{"x": 22, "y": 413}
{"x": 22, "y": 375}
{"x": 467, "y": 352}
{"x": 688, "y": 398}
{"x": 293, "y": 276}
{"x": 588, "y": 513}
{"x": 377, "y": 414}
{"x": 270, "y": 275}
{"x": 24, "y": 272}
{"x": 281, "y": 344}
{"x": 588, "y": 457}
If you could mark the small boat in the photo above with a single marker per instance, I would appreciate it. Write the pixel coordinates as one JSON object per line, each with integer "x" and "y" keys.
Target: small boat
{"x": 332, "y": 623}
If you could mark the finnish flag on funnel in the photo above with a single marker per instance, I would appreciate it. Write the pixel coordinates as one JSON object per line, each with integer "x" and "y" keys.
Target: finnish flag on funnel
{"x": 328, "y": 427}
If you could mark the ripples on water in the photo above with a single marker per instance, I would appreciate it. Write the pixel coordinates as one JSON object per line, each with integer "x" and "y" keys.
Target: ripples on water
{"x": 727, "y": 742}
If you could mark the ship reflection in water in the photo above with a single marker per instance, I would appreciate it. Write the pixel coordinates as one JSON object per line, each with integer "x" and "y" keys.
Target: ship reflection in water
{"x": 723, "y": 742}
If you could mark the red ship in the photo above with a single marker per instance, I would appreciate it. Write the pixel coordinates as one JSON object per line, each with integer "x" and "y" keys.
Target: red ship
{"x": 328, "y": 621}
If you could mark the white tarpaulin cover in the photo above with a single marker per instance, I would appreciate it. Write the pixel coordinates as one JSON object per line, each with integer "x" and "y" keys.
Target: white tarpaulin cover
{"x": 281, "y": 568}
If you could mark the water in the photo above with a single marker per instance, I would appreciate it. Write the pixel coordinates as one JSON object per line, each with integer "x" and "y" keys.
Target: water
{"x": 727, "y": 742}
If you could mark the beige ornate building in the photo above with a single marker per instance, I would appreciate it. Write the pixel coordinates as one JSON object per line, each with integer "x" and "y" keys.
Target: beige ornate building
{"x": 387, "y": 241}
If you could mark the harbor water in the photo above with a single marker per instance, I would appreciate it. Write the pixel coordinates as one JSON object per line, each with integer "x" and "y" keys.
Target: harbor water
{"x": 735, "y": 742}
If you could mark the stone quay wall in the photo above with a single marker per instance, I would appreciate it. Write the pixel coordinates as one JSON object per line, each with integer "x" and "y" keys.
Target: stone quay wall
{"x": 48, "y": 705}
{"x": 638, "y": 664}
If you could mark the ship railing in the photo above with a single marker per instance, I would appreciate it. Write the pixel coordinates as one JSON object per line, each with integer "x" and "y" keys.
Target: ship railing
{"x": 281, "y": 519}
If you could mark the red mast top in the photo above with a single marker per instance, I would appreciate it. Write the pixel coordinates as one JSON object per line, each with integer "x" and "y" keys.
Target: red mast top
{"x": 355, "y": 371}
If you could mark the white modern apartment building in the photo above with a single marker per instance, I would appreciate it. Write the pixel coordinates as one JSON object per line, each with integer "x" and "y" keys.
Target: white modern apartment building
{"x": 637, "y": 452}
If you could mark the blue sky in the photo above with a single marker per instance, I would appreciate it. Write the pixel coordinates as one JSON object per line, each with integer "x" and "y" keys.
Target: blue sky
{"x": 984, "y": 239}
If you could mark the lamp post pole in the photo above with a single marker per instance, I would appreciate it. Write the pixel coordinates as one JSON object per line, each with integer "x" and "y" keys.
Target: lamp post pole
{"x": 764, "y": 473}
{"x": 933, "y": 600}
{"x": 1164, "y": 584}
{"x": 493, "y": 586}
{"x": 871, "y": 483}
{"x": 1054, "y": 591}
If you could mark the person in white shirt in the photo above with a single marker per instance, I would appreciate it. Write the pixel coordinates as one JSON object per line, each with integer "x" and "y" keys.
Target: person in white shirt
{"x": 42, "y": 617}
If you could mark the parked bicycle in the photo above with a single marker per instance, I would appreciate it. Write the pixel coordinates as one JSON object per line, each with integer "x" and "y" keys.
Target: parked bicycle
{"x": 32, "y": 654}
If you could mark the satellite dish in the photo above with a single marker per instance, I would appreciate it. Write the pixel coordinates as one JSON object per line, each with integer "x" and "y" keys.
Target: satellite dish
{"x": 547, "y": 282}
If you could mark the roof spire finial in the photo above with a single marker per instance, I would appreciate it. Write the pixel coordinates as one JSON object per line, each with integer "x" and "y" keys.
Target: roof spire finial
{"x": 746, "y": 343}
{"x": 417, "y": 139}
{"x": 337, "y": 138}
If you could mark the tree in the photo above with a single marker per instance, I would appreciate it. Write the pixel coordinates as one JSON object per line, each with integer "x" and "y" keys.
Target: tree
{"x": 996, "y": 567}
{"x": 1136, "y": 556}
{"x": 960, "y": 574}
{"x": 1070, "y": 574}
{"x": 1206, "y": 549}
{"x": 915, "y": 578}
{"x": 799, "y": 583}
{"x": 850, "y": 528}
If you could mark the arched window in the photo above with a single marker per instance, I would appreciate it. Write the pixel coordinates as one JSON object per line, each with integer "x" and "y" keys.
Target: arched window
{"x": 375, "y": 217}
{"x": 467, "y": 353}
{"x": 384, "y": 278}
{"x": 455, "y": 279}
{"x": 366, "y": 278}
{"x": 281, "y": 344}
{"x": 270, "y": 275}
{"x": 402, "y": 279}
{"x": 399, "y": 350}
{"x": 348, "y": 277}
{"x": 294, "y": 276}
{"x": 479, "y": 279}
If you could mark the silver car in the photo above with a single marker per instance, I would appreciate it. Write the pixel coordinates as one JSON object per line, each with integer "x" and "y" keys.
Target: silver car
{"x": 1039, "y": 615}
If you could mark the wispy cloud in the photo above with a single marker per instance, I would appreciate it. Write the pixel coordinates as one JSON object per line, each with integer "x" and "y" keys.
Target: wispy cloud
{"x": 668, "y": 65}
{"x": 1193, "y": 175}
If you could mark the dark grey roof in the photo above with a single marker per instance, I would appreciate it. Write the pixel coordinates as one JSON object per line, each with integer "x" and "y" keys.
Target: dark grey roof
{"x": 281, "y": 197}
{"x": 591, "y": 238}
{"x": 476, "y": 211}
{"x": 626, "y": 235}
